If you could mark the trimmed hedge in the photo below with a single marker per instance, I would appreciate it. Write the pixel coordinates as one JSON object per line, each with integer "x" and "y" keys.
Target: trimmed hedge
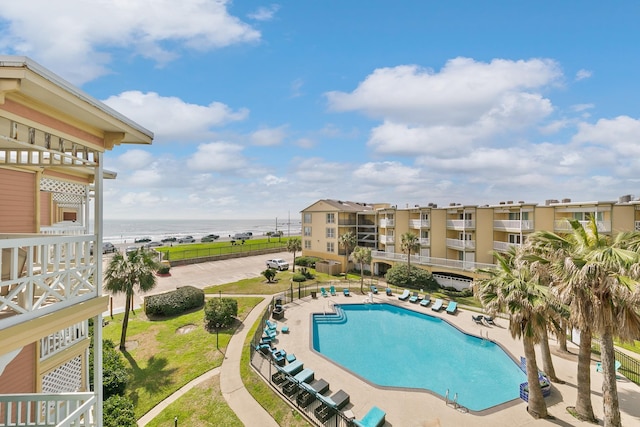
{"x": 174, "y": 302}
{"x": 307, "y": 261}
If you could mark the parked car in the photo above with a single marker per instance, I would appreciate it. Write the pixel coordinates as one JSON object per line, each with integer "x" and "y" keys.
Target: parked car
{"x": 186, "y": 239}
{"x": 278, "y": 264}
{"x": 130, "y": 249}
{"x": 107, "y": 247}
{"x": 209, "y": 238}
{"x": 142, "y": 240}
{"x": 153, "y": 244}
{"x": 168, "y": 239}
{"x": 242, "y": 236}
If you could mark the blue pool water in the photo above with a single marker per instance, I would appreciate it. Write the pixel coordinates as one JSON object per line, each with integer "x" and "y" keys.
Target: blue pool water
{"x": 394, "y": 347}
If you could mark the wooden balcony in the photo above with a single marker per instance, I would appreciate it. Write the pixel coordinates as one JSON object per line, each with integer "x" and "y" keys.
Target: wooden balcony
{"x": 52, "y": 409}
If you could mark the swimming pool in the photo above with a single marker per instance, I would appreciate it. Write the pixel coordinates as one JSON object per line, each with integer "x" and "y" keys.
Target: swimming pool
{"x": 395, "y": 347}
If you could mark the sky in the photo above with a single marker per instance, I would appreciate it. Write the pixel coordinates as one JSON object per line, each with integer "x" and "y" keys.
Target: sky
{"x": 260, "y": 109}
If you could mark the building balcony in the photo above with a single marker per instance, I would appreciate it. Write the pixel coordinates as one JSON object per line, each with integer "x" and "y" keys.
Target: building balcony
{"x": 425, "y": 241}
{"x": 425, "y": 260}
{"x": 461, "y": 224}
{"x": 44, "y": 273}
{"x": 51, "y": 409}
{"x": 563, "y": 225}
{"x": 513, "y": 225}
{"x": 386, "y": 239}
{"x": 68, "y": 228}
{"x": 419, "y": 223}
{"x": 637, "y": 225}
{"x": 461, "y": 244}
{"x": 503, "y": 246}
{"x": 386, "y": 223}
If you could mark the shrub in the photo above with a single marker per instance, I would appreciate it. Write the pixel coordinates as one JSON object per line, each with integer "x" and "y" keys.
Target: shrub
{"x": 299, "y": 277}
{"x": 221, "y": 311}
{"x": 307, "y": 274}
{"x": 118, "y": 411}
{"x": 418, "y": 278}
{"x": 174, "y": 302}
{"x": 307, "y": 261}
{"x": 269, "y": 274}
{"x": 453, "y": 292}
{"x": 164, "y": 269}
{"x": 114, "y": 371}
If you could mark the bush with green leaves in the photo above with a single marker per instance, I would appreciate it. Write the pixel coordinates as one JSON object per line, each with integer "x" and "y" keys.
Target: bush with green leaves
{"x": 269, "y": 274}
{"x": 299, "y": 277}
{"x": 118, "y": 411}
{"x": 174, "y": 302}
{"x": 417, "y": 278}
{"x": 453, "y": 292}
{"x": 164, "y": 269}
{"x": 307, "y": 273}
{"x": 307, "y": 261}
{"x": 220, "y": 311}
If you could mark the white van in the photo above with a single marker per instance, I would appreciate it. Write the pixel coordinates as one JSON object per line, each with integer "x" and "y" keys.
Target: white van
{"x": 242, "y": 236}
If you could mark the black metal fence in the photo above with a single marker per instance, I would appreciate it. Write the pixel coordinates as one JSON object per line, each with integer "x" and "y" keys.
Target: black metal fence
{"x": 629, "y": 367}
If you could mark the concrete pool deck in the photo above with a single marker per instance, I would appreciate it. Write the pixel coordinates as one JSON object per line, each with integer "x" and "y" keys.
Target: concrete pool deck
{"x": 409, "y": 407}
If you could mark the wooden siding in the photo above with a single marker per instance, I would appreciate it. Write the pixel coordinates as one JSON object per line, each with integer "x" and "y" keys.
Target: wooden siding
{"x": 20, "y": 374}
{"x": 17, "y": 201}
{"x": 45, "y": 208}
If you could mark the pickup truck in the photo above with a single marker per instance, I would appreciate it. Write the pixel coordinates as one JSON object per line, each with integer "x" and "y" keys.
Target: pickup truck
{"x": 278, "y": 264}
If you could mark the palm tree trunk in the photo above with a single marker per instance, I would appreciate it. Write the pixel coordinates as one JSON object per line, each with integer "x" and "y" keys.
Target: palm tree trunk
{"x": 609, "y": 386}
{"x": 537, "y": 406}
{"x": 584, "y": 408}
{"x": 125, "y": 322}
{"x": 361, "y": 278}
{"x": 562, "y": 336}
{"x": 547, "y": 362}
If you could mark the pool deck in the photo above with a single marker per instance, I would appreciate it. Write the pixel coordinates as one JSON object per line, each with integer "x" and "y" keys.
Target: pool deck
{"x": 409, "y": 407}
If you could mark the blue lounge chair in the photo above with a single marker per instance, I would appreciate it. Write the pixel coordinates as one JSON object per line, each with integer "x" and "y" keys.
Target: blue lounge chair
{"x": 425, "y": 301}
{"x": 405, "y": 295}
{"x": 452, "y": 307}
{"x": 304, "y": 376}
{"x": 389, "y": 292}
{"x": 270, "y": 333}
{"x": 617, "y": 366}
{"x": 414, "y": 297}
{"x": 323, "y": 291}
{"x": 373, "y": 418}
{"x": 437, "y": 305}
{"x": 271, "y": 325}
{"x": 332, "y": 289}
{"x": 293, "y": 367}
{"x": 374, "y": 289}
{"x": 345, "y": 291}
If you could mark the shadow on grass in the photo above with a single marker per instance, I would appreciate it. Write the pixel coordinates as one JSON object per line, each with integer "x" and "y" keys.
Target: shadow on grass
{"x": 155, "y": 376}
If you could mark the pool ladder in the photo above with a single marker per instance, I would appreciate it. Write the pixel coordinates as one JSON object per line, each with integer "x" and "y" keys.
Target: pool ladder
{"x": 454, "y": 403}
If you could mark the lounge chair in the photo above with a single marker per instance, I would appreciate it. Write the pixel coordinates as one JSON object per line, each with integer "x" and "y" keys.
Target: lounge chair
{"x": 425, "y": 301}
{"x": 405, "y": 295}
{"x": 293, "y": 368}
{"x": 437, "y": 305}
{"x": 330, "y": 405}
{"x": 332, "y": 290}
{"x": 452, "y": 307}
{"x": 270, "y": 333}
{"x": 345, "y": 291}
{"x": 389, "y": 292}
{"x": 414, "y": 297}
{"x": 489, "y": 320}
{"x": 271, "y": 325}
{"x": 323, "y": 291}
{"x": 373, "y": 418}
{"x": 374, "y": 289}
{"x": 278, "y": 356}
{"x": 477, "y": 319}
{"x": 617, "y": 365}
{"x": 308, "y": 392}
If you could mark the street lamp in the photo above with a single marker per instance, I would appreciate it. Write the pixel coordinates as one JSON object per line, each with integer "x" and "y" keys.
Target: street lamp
{"x": 175, "y": 422}
{"x": 217, "y": 330}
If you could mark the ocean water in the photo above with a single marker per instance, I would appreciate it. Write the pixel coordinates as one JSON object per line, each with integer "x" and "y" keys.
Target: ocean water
{"x": 126, "y": 231}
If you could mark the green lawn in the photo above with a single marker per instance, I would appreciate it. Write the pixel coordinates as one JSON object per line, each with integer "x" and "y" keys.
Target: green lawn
{"x": 162, "y": 356}
{"x": 209, "y": 249}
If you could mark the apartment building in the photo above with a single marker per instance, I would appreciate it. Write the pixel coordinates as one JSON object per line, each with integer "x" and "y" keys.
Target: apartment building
{"x": 455, "y": 240}
{"x": 52, "y": 140}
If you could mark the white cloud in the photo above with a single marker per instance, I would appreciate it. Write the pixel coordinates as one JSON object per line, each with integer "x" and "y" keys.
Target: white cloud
{"x": 172, "y": 119}
{"x": 73, "y": 36}
{"x": 268, "y": 137}
{"x": 264, "y": 13}
{"x": 583, "y": 74}
{"x": 217, "y": 157}
{"x": 134, "y": 159}
{"x": 270, "y": 180}
{"x": 620, "y": 134}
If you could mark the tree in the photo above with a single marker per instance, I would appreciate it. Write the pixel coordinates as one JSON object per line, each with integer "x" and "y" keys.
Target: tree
{"x": 597, "y": 277}
{"x": 362, "y": 256}
{"x": 119, "y": 412}
{"x": 130, "y": 273}
{"x": 514, "y": 290}
{"x": 348, "y": 241}
{"x": 417, "y": 278}
{"x": 409, "y": 244}
{"x": 269, "y": 274}
{"x": 294, "y": 245}
{"x": 221, "y": 312}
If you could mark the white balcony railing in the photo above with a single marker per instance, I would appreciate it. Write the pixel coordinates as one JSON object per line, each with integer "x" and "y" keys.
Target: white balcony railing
{"x": 43, "y": 273}
{"x": 386, "y": 239}
{"x": 503, "y": 246}
{"x": 436, "y": 262}
{"x": 461, "y": 224}
{"x": 419, "y": 223}
{"x": 53, "y": 409}
{"x": 385, "y": 222}
{"x": 513, "y": 224}
{"x": 425, "y": 241}
{"x": 68, "y": 228}
{"x": 563, "y": 225}
{"x": 461, "y": 244}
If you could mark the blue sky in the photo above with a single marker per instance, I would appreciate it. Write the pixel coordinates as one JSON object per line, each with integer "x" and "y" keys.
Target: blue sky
{"x": 260, "y": 109}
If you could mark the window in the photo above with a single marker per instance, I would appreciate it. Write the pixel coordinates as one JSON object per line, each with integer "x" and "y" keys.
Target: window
{"x": 307, "y": 218}
{"x": 424, "y": 216}
{"x": 330, "y": 247}
{"x": 465, "y": 236}
{"x": 307, "y": 231}
{"x": 307, "y": 244}
{"x": 331, "y": 233}
{"x": 331, "y": 218}
{"x": 515, "y": 238}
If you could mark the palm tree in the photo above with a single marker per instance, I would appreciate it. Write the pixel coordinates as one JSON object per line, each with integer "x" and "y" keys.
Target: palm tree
{"x": 409, "y": 243}
{"x": 515, "y": 290}
{"x": 362, "y": 256}
{"x": 294, "y": 245}
{"x": 348, "y": 241}
{"x": 130, "y": 273}
{"x": 597, "y": 277}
